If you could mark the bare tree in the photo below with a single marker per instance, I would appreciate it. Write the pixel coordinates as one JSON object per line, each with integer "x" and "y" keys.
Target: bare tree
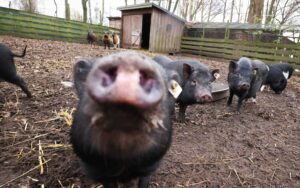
{"x": 231, "y": 12}
{"x": 76, "y": 15}
{"x": 192, "y": 10}
{"x": 209, "y": 10}
{"x": 175, "y": 6}
{"x": 255, "y": 11}
{"x": 84, "y": 9}
{"x": 224, "y": 10}
{"x": 90, "y": 11}
{"x": 102, "y": 12}
{"x": 29, "y": 5}
{"x": 239, "y": 11}
{"x": 67, "y": 10}
{"x": 170, "y": 4}
{"x": 286, "y": 11}
{"x": 55, "y": 13}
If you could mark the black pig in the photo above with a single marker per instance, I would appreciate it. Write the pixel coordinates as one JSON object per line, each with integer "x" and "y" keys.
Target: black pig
{"x": 278, "y": 76}
{"x": 8, "y": 70}
{"x": 195, "y": 80}
{"x": 81, "y": 70}
{"x": 162, "y": 60}
{"x": 245, "y": 79}
{"x": 121, "y": 128}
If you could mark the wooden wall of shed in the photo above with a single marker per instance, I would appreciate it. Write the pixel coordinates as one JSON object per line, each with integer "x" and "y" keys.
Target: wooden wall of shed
{"x": 160, "y": 39}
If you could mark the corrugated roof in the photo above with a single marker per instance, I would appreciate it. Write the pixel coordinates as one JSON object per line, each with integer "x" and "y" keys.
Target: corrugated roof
{"x": 150, "y": 5}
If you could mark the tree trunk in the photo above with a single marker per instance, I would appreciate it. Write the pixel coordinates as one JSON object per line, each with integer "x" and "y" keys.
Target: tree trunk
{"x": 224, "y": 10}
{"x": 135, "y": 2}
{"x": 84, "y": 9}
{"x": 126, "y": 3}
{"x": 90, "y": 11}
{"x": 202, "y": 13}
{"x": 239, "y": 11}
{"x": 175, "y": 6}
{"x": 67, "y": 10}
{"x": 231, "y": 12}
{"x": 159, "y": 3}
{"x": 55, "y": 13}
{"x": 102, "y": 12}
{"x": 270, "y": 12}
{"x": 209, "y": 10}
{"x": 255, "y": 11}
{"x": 170, "y": 4}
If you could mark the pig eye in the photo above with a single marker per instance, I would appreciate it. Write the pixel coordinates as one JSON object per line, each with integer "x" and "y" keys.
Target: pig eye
{"x": 194, "y": 82}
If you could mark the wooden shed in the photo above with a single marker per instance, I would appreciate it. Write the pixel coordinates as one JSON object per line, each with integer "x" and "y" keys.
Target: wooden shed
{"x": 149, "y": 26}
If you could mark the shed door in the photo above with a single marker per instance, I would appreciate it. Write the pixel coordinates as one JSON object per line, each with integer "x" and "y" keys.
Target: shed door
{"x": 132, "y": 30}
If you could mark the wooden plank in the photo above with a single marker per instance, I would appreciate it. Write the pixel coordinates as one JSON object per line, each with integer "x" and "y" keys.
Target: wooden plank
{"x": 33, "y": 16}
{"x": 24, "y": 24}
{"x": 243, "y": 53}
{"x": 244, "y": 48}
{"x": 294, "y": 46}
{"x": 224, "y": 56}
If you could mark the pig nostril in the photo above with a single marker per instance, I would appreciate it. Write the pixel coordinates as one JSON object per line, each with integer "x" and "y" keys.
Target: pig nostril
{"x": 109, "y": 75}
{"x": 206, "y": 98}
{"x": 146, "y": 80}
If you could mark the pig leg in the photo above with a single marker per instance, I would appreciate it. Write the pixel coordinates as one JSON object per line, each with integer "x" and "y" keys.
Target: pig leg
{"x": 17, "y": 80}
{"x": 229, "y": 101}
{"x": 182, "y": 109}
{"x": 240, "y": 101}
{"x": 110, "y": 185}
{"x": 144, "y": 182}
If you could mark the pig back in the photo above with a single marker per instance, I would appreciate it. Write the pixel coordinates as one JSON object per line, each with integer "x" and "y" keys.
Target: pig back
{"x": 259, "y": 78}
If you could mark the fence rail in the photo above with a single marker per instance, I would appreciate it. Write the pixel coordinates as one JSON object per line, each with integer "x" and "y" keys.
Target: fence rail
{"x": 234, "y": 49}
{"x": 29, "y": 25}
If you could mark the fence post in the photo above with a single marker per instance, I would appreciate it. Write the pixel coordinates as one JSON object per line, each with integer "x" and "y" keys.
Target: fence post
{"x": 203, "y": 33}
{"x": 227, "y": 32}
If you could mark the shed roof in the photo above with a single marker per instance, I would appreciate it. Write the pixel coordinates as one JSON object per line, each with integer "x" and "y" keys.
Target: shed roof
{"x": 150, "y": 5}
{"x": 114, "y": 17}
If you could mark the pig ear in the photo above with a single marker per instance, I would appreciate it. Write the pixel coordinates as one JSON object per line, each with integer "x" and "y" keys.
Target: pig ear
{"x": 80, "y": 72}
{"x": 175, "y": 76}
{"x": 187, "y": 70}
{"x": 254, "y": 71}
{"x": 215, "y": 74}
{"x": 232, "y": 66}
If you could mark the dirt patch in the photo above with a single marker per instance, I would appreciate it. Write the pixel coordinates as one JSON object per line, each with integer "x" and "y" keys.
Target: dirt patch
{"x": 214, "y": 148}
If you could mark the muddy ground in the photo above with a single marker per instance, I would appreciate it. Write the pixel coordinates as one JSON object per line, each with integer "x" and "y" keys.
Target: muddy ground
{"x": 214, "y": 148}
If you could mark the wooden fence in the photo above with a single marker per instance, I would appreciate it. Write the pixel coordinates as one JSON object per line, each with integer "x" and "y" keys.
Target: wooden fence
{"x": 234, "y": 49}
{"x": 29, "y": 25}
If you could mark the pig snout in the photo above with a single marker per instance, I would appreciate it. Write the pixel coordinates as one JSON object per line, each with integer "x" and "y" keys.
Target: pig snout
{"x": 204, "y": 97}
{"x": 134, "y": 86}
{"x": 244, "y": 86}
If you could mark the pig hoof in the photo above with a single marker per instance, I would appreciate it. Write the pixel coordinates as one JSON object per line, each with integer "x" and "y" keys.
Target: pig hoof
{"x": 237, "y": 113}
